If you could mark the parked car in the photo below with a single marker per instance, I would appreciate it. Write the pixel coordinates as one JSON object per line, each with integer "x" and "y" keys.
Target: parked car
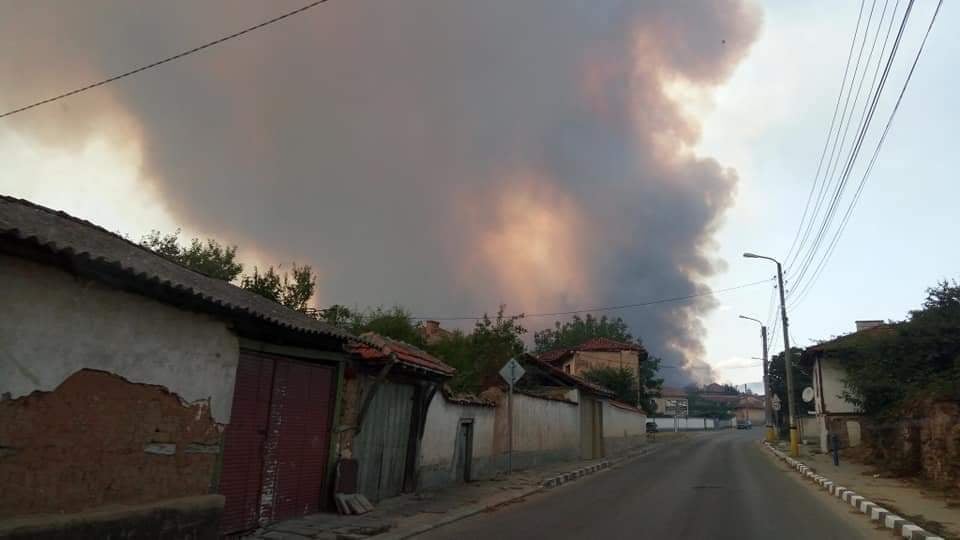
{"x": 652, "y": 427}
{"x": 744, "y": 424}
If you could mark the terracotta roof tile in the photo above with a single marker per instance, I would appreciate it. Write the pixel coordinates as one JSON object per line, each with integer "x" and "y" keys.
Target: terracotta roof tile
{"x": 380, "y": 348}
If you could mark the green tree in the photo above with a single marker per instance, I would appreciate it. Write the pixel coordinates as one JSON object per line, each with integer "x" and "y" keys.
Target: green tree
{"x": 622, "y": 381}
{"x": 697, "y": 405}
{"x": 395, "y": 323}
{"x": 802, "y": 378}
{"x": 209, "y": 258}
{"x": 292, "y": 289}
{"x": 650, "y": 384}
{"x": 577, "y": 330}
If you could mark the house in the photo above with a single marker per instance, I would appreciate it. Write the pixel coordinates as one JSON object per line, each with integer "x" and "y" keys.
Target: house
{"x": 597, "y": 353}
{"x": 672, "y": 401}
{"x": 719, "y": 393}
{"x": 386, "y": 397}
{"x": 836, "y": 415}
{"x": 751, "y": 409}
{"x": 163, "y": 398}
{"x": 431, "y": 332}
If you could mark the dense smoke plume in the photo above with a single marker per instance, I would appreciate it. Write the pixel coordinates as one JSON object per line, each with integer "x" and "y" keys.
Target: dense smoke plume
{"x": 448, "y": 155}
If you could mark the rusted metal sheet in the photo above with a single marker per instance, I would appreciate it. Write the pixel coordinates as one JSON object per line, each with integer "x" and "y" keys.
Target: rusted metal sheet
{"x": 278, "y": 441}
{"x": 297, "y": 445}
{"x": 381, "y": 448}
{"x": 243, "y": 443}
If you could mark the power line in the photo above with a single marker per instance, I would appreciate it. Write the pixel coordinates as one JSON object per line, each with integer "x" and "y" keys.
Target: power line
{"x": 873, "y": 160}
{"x": 602, "y": 308}
{"x": 854, "y": 153}
{"x": 165, "y": 60}
{"x": 826, "y": 143}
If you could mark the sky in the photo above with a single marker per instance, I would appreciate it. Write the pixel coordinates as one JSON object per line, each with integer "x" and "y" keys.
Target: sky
{"x": 541, "y": 154}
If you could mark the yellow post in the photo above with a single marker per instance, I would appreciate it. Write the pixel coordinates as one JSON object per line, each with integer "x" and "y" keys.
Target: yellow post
{"x": 771, "y": 435}
{"x": 794, "y": 442}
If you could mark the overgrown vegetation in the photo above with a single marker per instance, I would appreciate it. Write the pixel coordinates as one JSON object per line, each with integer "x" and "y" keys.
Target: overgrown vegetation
{"x": 293, "y": 289}
{"x": 915, "y": 359}
{"x": 698, "y": 406}
{"x": 580, "y": 329}
{"x": 622, "y": 381}
{"x": 802, "y": 378}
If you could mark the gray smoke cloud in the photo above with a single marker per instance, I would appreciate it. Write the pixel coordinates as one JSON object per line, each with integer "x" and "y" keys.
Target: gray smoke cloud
{"x": 447, "y": 156}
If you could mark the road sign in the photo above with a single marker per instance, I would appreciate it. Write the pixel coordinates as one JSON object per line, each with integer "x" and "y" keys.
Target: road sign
{"x": 512, "y": 371}
{"x": 807, "y": 394}
{"x": 775, "y": 402}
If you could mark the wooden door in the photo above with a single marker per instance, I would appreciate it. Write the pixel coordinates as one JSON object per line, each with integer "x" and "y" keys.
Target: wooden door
{"x": 381, "y": 448}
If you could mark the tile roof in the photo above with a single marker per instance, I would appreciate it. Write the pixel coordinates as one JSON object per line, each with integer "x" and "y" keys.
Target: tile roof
{"x": 568, "y": 378}
{"x": 378, "y": 349}
{"x": 594, "y": 344}
{"x": 81, "y": 241}
{"x": 667, "y": 391}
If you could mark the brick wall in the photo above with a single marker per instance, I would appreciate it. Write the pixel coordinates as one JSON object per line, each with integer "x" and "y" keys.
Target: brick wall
{"x": 99, "y": 439}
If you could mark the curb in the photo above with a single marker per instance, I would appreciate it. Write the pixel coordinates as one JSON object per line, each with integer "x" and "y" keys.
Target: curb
{"x": 561, "y": 479}
{"x": 898, "y": 525}
{"x": 474, "y": 509}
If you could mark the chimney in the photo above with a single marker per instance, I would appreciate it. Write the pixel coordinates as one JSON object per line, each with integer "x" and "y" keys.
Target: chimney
{"x": 433, "y": 327}
{"x": 866, "y": 325}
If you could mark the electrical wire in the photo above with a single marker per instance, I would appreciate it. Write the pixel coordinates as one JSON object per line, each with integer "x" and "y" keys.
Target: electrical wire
{"x": 165, "y": 60}
{"x": 788, "y": 261}
{"x": 873, "y": 160}
{"x": 854, "y": 153}
{"x": 864, "y": 122}
{"x": 601, "y": 308}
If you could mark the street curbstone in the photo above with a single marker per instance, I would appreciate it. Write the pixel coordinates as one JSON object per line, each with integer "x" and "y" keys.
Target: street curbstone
{"x": 892, "y": 521}
{"x": 855, "y": 501}
{"x": 866, "y": 506}
{"x": 878, "y": 513}
{"x": 908, "y": 530}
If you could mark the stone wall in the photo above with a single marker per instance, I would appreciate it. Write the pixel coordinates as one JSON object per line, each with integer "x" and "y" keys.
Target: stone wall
{"x": 940, "y": 444}
{"x": 99, "y": 439}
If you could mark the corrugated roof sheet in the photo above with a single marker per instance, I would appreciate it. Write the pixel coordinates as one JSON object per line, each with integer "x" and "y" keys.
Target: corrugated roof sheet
{"x": 63, "y": 234}
{"x": 380, "y": 348}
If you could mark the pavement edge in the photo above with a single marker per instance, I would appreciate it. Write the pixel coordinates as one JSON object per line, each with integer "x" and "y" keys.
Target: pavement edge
{"x": 898, "y": 525}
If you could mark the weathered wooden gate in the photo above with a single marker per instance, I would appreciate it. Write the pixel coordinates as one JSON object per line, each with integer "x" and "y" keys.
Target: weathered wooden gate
{"x": 591, "y": 428}
{"x": 381, "y": 448}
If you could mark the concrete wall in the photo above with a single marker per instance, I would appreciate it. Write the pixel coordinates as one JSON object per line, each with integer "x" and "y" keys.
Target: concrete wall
{"x": 441, "y": 447}
{"x": 53, "y": 324}
{"x": 810, "y": 428}
{"x": 831, "y": 387}
{"x": 544, "y": 430}
{"x": 623, "y": 428}
{"x": 756, "y": 416}
{"x": 686, "y": 424}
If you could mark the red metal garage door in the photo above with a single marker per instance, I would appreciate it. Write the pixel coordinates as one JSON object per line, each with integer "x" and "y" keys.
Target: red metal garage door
{"x": 298, "y": 441}
{"x": 277, "y": 443}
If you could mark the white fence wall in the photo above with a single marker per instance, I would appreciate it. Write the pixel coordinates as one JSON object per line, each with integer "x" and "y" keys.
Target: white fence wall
{"x": 623, "y": 428}
{"x": 441, "y": 447}
{"x": 684, "y": 424}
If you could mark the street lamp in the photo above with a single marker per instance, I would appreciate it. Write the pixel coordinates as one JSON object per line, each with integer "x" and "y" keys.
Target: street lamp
{"x": 787, "y": 360}
{"x": 768, "y": 408}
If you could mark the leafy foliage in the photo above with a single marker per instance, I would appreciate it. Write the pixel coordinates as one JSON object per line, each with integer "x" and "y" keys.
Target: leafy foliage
{"x": 209, "y": 258}
{"x": 650, "y": 384}
{"x": 802, "y": 378}
{"x": 395, "y": 323}
{"x": 915, "y": 359}
{"x": 697, "y": 405}
{"x": 293, "y": 290}
{"x": 622, "y": 381}
{"x": 578, "y": 330}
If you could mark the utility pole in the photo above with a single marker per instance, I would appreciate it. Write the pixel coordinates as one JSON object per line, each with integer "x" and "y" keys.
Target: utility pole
{"x": 767, "y": 404}
{"x": 787, "y": 358}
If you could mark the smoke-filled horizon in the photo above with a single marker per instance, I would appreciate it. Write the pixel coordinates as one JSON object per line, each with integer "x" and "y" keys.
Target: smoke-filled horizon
{"x": 444, "y": 156}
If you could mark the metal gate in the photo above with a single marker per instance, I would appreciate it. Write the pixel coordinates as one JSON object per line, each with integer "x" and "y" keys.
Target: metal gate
{"x": 381, "y": 446}
{"x": 277, "y": 443}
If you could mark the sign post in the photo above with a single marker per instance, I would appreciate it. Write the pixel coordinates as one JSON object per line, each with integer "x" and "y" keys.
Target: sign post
{"x": 510, "y": 372}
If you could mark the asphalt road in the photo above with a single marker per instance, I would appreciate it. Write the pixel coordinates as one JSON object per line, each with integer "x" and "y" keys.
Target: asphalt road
{"x": 715, "y": 485}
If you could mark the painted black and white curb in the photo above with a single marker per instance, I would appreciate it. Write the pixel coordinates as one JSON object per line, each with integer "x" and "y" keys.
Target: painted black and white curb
{"x": 561, "y": 479}
{"x": 898, "y": 525}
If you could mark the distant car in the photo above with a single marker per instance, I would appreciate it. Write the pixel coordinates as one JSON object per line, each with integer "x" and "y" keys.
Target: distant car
{"x": 652, "y": 427}
{"x": 744, "y": 424}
